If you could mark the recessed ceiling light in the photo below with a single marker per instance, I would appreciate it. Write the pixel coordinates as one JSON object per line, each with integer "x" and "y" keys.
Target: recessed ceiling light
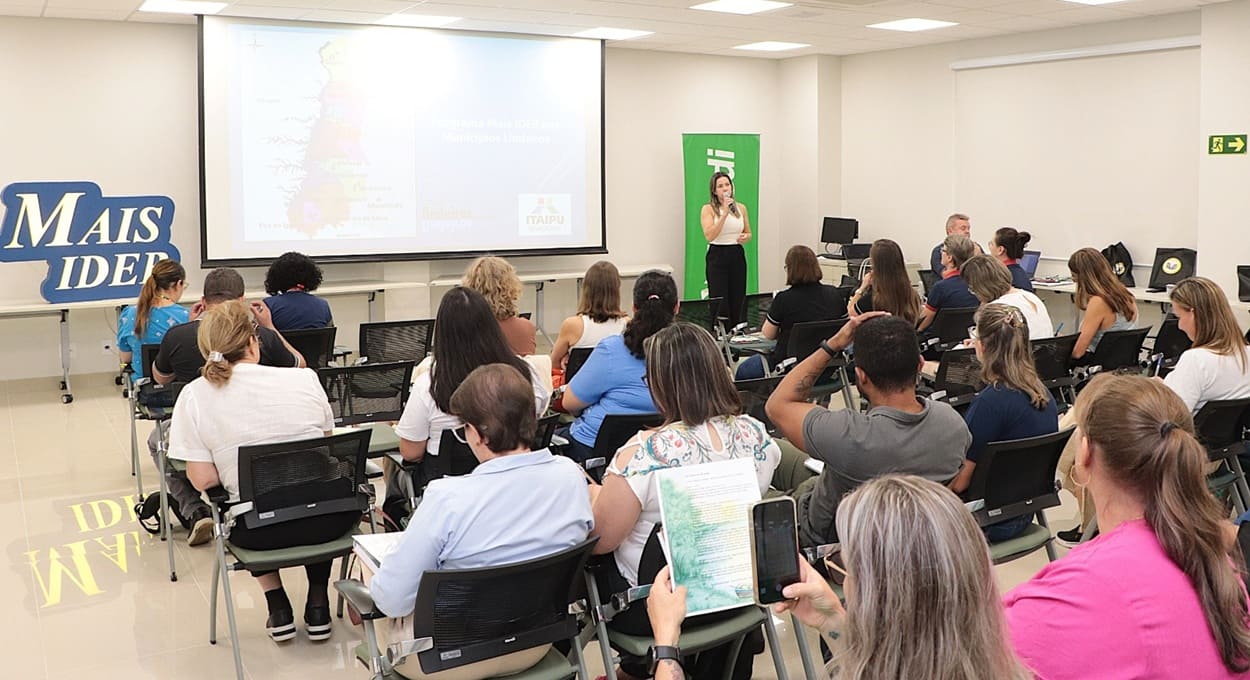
{"x": 741, "y": 6}
{"x": 771, "y": 46}
{"x": 605, "y": 33}
{"x": 182, "y": 6}
{"x": 913, "y": 25}
{"x": 417, "y": 20}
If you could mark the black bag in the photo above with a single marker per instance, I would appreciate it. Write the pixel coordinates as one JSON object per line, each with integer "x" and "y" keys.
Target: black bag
{"x": 1121, "y": 262}
{"x": 148, "y": 512}
{"x": 1172, "y": 265}
{"x": 1243, "y": 282}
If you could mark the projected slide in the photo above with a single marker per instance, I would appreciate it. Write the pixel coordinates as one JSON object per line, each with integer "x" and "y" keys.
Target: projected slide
{"x": 350, "y": 141}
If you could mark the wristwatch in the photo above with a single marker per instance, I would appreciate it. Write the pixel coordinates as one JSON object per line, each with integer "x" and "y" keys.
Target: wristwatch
{"x": 833, "y": 353}
{"x": 660, "y": 653}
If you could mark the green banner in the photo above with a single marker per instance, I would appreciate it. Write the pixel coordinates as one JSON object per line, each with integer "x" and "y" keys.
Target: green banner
{"x": 704, "y": 154}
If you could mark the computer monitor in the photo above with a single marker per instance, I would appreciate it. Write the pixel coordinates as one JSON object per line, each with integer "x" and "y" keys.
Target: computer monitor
{"x": 841, "y": 230}
{"x": 1029, "y": 262}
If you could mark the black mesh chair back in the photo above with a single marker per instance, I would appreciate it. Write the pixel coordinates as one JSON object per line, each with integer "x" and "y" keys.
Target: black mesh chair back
{"x": 1171, "y": 341}
{"x": 755, "y": 309}
{"x": 367, "y": 393}
{"x": 928, "y": 277}
{"x": 1017, "y": 477}
{"x": 316, "y": 345}
{"x": 546, "y": 429}
{"x": 706, "y": 314}
{"x": 454, "y": 458}
{"x": 958, "y": 374}
{"x": 528, "y": 316}
{"x": 754, "y": 395}
{"x": 1120, "y": 349}
{"x": 1053, "y": 357}
{"x": 147, "y": 355}
{"x": 386, "y": 341}
{"x": 577, "y": 359}
{"x": 805, "y": 338}
{"x": 154, "y": 398}
{"x": 1222, "y": 423}
{"x": 617, "y": 429}
{"x": 950, "y": 324}
{"x": 476, "y": 614}
{"x": 308, "y": 478}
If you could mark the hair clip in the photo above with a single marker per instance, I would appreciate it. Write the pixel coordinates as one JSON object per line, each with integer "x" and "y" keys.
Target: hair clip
{"x": 653, "y": 297}
{"x": 1166, "y": 428}
{"x": 216, "y": 357}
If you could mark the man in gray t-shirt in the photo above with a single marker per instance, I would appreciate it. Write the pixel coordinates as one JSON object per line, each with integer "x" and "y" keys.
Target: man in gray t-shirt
{"x": 899, "y": 434}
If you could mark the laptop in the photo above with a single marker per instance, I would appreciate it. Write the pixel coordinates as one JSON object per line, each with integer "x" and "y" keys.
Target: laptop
{"x": 1029, "y": 262}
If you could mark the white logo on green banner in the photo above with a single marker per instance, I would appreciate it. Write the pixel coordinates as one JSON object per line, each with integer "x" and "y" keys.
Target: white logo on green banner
{"x": 705, "y": 154}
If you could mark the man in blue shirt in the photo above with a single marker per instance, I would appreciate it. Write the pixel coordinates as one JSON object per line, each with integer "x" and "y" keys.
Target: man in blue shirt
{"x": 955, "y": 224}
{"x": 952, "y": 291}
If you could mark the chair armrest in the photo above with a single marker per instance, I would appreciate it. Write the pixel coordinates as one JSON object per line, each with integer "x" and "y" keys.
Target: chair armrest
{"x": 358, "y": 595}
{"x": 217, "y": 495}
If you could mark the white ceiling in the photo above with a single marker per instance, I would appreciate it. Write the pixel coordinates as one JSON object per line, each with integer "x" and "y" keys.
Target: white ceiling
{"x": 830, "y": 27}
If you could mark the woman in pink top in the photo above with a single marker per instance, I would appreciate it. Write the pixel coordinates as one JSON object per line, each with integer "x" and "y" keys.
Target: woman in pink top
{"x": 1156, "y": 595}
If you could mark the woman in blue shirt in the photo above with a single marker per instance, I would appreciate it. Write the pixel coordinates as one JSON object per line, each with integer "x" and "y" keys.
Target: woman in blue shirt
{"x": 290, "y": 282}
{"x": 1008, "y": 246}
{"x": 1014, "y": 404}
{"x": 610, "y": 382}
{"x": 157, "y": 311}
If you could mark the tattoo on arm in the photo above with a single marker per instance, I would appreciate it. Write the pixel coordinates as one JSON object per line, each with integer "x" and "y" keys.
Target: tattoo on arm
{"x": 804, "y": 386}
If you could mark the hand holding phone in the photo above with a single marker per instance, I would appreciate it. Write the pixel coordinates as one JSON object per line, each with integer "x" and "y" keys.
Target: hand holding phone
{"x": 774, "y": 548}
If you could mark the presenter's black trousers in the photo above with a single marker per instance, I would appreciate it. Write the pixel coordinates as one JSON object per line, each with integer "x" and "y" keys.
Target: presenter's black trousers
{"x": 727, "y": 279}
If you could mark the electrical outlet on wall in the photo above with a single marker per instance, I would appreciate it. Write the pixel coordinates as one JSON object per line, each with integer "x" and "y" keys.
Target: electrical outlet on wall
{"x": 106, "y": 347}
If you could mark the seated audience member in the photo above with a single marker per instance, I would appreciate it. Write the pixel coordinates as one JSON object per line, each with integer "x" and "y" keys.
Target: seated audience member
{"x": 157, "y": 310}
{"x": 956, "y": 225}
{"x": 990, "y": 282}
{"x": 1217, "y": 366}
{"x": 946, "y": 621}
{"x": 290, "y": 282}
{"x": 466, "y": 339}
{"x": 611, "y": 380}
{"x": 496, "y": 279}
{"x": 180, "y": 360}
{"x": 887, "y": 287}
{"x": 806, "y": 299}
{"x": 516, "y": 505}
{"x": 598, "y": 313}
{"x": 1157, "y": 594}
{"x": 239, "y": 402}
{"x": 704, "y": 423}
{"x": 1107, "y": 305}
{"x": 900, "y": 432}
{"x": 1007, "y": 247}
{"x": 1014, "y": 403}
{"x": 952, "y": 291}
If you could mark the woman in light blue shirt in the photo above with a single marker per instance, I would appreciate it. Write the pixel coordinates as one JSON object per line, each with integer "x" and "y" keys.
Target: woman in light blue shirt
{"x": 157, "y": 311}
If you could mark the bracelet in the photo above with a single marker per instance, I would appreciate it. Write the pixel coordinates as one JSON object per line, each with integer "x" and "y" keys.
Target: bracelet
{"x": 833, "y": 353}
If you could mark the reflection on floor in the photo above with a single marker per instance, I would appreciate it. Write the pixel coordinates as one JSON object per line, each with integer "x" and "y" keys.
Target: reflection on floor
{"x": 90, "y": 590}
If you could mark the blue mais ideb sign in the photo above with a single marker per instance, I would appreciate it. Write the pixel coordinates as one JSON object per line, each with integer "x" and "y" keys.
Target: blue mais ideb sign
{"x": 97, "y": 247}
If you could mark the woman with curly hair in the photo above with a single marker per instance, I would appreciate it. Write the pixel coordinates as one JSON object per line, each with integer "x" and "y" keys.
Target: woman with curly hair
{"x": 495, "y": 278}
{"x": 290, "y": 282}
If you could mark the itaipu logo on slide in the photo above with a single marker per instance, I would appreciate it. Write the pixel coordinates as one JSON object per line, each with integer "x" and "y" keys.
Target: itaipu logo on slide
{"x": 544, "y": 214}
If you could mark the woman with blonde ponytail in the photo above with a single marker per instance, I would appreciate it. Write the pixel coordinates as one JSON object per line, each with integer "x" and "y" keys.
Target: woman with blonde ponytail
{"x": 157, "y": 311}
{"x": 238, "y": 402}
{"x": 1156, "y": 595}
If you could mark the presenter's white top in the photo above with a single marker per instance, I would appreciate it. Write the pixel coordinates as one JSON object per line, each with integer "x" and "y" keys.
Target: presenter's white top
{"x": 730, "y": 231}
{"x": 593, "y": 331}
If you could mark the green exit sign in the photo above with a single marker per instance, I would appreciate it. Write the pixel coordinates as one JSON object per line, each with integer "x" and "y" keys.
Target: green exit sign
{"x": 1222, "y": 144}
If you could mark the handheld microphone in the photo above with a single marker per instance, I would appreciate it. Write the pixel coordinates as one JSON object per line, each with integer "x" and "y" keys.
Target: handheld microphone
{"x": 733, "y": 206}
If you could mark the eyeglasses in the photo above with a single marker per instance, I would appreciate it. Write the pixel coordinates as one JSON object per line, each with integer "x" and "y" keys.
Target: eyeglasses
{"x": 972, "y": 333}
{"x": 645, "y": 380}
{"x": 458, "y": 433}
{"x": 831, "y": 556}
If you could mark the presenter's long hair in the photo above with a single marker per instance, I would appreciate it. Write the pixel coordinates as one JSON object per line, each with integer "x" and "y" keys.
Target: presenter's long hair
{"x": 228, "y": 328}
{"x": 655, "y": 305}
{"x": 1215, "y": 326}
{"x": 601, "y": 293}
{"x": 713, "y": 199}
{"x": 1093, "y": 278}
{"x": 467, "y": 336}
{"x": 942, "y": 621}
{"x": 1141, "y": 435}
{"x": 165, "y": 275}
{"x": 891, "y": 287}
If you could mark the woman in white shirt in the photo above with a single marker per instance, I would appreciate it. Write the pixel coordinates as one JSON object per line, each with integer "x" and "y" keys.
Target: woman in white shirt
{"x": 726, "y": 227}
{"x": 990, "y": 281}
{"x": 598, "y": 313}
{"x": 1217, "y": 366}
{"x": 237, "y": 403}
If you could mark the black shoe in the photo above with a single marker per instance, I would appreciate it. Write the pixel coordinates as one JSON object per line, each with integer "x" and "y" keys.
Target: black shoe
{"x": 201, "y": 530}
{"x": 281, "y": 625}
{"x": 1072, "y": 537}
{"x": 317, "y": 621}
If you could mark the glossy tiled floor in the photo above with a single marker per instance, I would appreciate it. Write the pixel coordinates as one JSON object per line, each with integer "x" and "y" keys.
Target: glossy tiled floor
{"x": 88, "y": 591}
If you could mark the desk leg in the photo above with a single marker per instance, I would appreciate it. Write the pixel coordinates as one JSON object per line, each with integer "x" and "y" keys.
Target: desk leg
{"x": 373, "y": 297}
{"x": 538, "y": 310}
{"x": 65, "y": 386}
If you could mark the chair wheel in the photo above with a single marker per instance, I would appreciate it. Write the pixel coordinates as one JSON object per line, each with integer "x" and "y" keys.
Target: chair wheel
{"x": 67, "y": 398}
{"x": 117, "y": 380}
{"x": 173, "y": 576}
{"x": 125, "y": 394}
{"x": 62, "y": 385}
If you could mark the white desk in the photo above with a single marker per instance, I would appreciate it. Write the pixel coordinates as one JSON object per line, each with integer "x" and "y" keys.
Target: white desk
{"x": 23, "y": 309}
{"x": 539, "y": 281}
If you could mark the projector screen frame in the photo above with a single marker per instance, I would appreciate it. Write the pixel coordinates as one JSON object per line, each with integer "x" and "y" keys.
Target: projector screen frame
{"x": 206, "y": 262}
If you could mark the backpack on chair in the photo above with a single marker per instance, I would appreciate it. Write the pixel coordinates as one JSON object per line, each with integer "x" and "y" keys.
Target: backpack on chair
{"x": 148, "y": 513}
